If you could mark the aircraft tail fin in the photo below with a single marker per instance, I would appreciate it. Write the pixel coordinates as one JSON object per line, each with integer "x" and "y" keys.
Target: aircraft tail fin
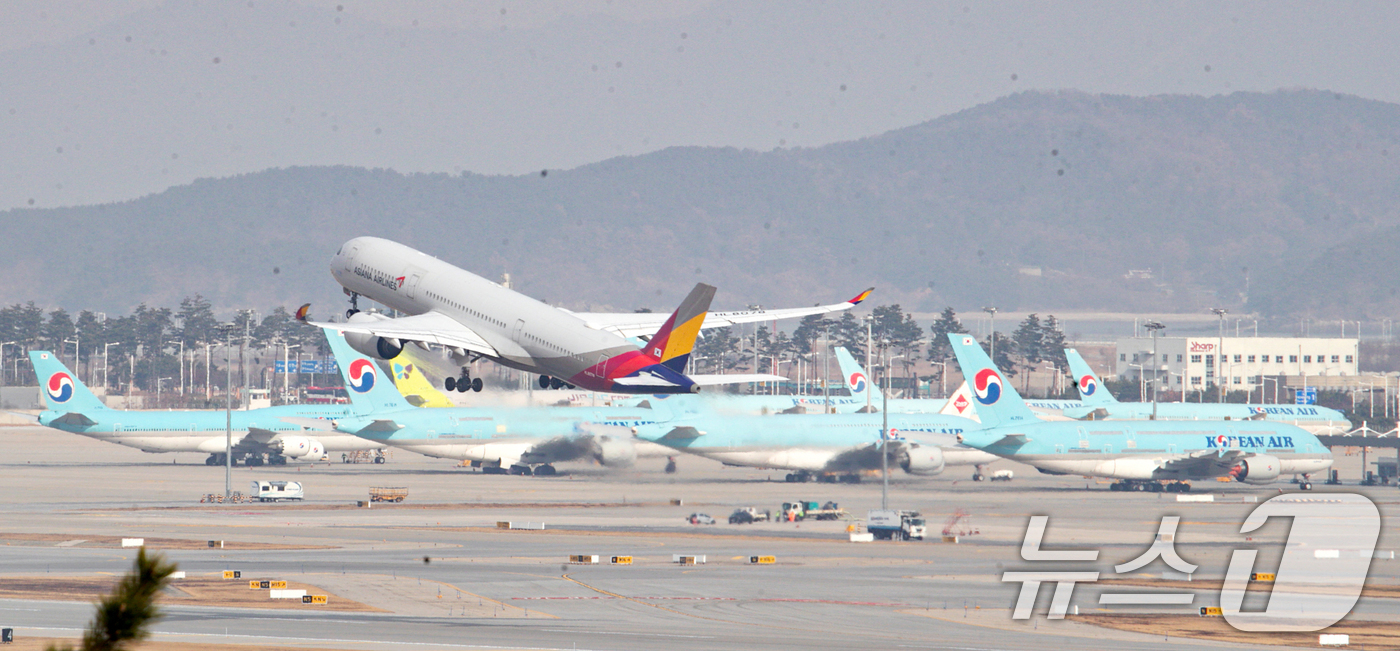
{"x": 365, "y": 383}
{"x": 997, "y": 402}
{"x": 857, "y": 382}
{"x": 62, "y": 390}
{"x": 672, "y": 344}
{"x": 1091, "y": 391}
{"x": 961, "y": 404}
{"x": 412, "y": 381}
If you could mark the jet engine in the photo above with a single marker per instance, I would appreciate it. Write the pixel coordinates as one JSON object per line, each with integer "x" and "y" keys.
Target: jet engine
{"x": 922, "y": 460}
{"x": 1258, "y": 469}
{"x": 298, "y": 447}
{"x": 614, "y": 452}
{"x": 371, "y": 345}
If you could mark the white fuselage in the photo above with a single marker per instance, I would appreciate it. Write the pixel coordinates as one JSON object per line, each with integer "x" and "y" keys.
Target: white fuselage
{"x": 528, "y": 335}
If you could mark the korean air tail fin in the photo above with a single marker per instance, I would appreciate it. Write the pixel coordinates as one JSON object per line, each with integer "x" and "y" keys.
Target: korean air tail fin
{"x": 998, "y": 404}
{"x": 672, "y": 344}
{"x": 62, "y": 390}
{"x": 856, "y": 380}
{"x": 365, "y": 383}
{"x": 1091, "y": 391}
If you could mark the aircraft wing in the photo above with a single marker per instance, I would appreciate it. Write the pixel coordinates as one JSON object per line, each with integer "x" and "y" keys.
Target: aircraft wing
{"x": 315, "y": 424}
{"x": 1206, "y": 463}
{"x": 629, "y": 324}
{"x": 260, "y": 435}
{"x": 431, "y": 327}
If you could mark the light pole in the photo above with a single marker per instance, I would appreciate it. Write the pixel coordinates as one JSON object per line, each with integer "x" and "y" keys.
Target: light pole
{"x": 993, "y": 311}
{"x": 158, "y": 381}
{"x": 869, "y": 321}
{"x": 208, "y": 393}
{"x": 1153, "y": 327}
{"x": 826, "y": 364}
{"x": 1220, "y": 350}
{"x": 942, "y": 379}
{"x": 228, "y": 412}
{"x": 106, "y": 368}
{"x": 286, "y": 369}
{"x": 1142, "y": 381}
{"x": 77, "y": 353}
{"x": 2, "y": 360}
{"x": 1265, "y": 383}
{"x": 182, "y": 364}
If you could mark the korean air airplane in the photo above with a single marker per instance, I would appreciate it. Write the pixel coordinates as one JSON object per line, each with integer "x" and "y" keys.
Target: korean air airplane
{"x": 1142, "y": 455}
{"x": 476, "y": 318}
{"x": 830, "y": 447}
{"x": 258, "y": 434}
{"x": 524, "y": 440}
{"x": 1099, "y": 404}
{"x": 958, "y": 404}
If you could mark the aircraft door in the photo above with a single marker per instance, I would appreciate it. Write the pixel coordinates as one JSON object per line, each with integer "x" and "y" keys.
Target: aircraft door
{"x": 410, "y": 284}
{"x": 518, "y": 334}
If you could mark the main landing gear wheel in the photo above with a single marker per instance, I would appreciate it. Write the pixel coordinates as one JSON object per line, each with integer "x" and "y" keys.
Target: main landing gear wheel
{"x": 670, "y": 465}
{"x": 463, "y": 384}
{"x": 545, "y": 471}
{"x": 213, "y": 460}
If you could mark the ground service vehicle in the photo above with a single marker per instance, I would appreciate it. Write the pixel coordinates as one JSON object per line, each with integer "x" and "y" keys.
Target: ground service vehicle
{"x": 748, "y": 515}
{"x": 700, "y": 518}
{"x": 798, "y": 511}
{"x": 276, "y": 491}
{"x": 387, "y": 493}
{"x": 888, "y": 524}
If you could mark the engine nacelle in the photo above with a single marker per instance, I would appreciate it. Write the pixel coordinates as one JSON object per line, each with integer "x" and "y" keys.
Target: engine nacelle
{"x": 614, "y": 452}
{"x": 371, "y": 345}
{"x": 922, "y": 460}
{"x": 1258, "y": 469}
{"x": 298, "y": 447}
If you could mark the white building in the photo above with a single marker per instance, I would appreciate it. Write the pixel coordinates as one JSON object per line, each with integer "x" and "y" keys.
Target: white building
{"x": 1240, "y": 363}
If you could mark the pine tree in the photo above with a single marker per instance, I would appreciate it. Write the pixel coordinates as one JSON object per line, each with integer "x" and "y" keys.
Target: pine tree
{"x": 124, "y": 618}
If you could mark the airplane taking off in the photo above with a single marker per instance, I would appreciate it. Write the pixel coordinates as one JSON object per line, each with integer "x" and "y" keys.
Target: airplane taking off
{"x": 257, "y": 433}
{"x": 476, "y": 318}
{"x": 1099, "y": 404}
{"x": 1140, "y": 454}
{"x": 523, "y": 441}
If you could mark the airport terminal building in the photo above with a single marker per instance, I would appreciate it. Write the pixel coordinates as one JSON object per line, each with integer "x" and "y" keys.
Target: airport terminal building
{"x": 1241, "y": 363}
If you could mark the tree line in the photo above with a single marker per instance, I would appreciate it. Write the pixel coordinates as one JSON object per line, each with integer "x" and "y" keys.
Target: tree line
{"x": 141, "y": 348}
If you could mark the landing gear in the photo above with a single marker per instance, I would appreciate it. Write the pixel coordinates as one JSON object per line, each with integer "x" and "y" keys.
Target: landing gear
{"x": 379, "y": 458}
{"x": 1306, "y": 484}
{"x": 799, "y": 477}
{"x": 523, "y": 471}
{"x": 849, "y": 479}
{"x": 254, "y": 460}
{"x": 546, "y": 471}
{"x": 213, "y": 460}
{"x": 276, "y": 460}
{"x": 670, "y": 465}
{"x": 544, "y": 381}
{"x": 1149, "y": 486}
{"x": 463, "y": 384}
{"x": 493, "y": 470}
{"x": 354, "y": 305}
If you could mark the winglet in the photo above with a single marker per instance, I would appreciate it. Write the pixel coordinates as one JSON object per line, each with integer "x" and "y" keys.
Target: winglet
{"x": 861, "y": 297}
{"x": 673, "y": 342}
{"x": 304, "y": 313}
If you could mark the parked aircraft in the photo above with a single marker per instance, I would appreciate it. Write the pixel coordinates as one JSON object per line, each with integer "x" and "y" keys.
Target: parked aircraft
{"x": 830, "y": 447}
{"x": 1099, "y": 404}
{"x": 476, "y": 318}
{"x": 1140, "y": 454}
{"x": 516, "y": 440}
{"x": 259, "y": 435}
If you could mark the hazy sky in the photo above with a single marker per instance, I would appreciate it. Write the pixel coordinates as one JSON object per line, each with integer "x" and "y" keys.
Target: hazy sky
{"x": 110, "y": 101}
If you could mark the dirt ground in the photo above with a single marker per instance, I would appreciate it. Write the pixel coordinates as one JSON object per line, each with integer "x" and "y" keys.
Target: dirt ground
{"x": 198, "y": 591}
{"x": 1369, "y": 635}
{"x": 41, "y": 643}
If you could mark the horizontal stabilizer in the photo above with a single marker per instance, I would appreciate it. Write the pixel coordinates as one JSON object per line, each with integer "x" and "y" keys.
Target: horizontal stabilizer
{"x": 1097, "y": 414}
{"x": 643, "y": 380}
{"x": 24, "y": 415}
{"x": 382, "y": 425}
{"x": 1010, "y": 440}
{"x": 683, "y": 432}
{"x": 735, "y": 378}
{"x": 73, "y": 419}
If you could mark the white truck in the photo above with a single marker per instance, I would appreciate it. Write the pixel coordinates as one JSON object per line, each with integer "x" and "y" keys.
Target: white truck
{"x": 276, "y": 491}
{"x": 895, "y": 525}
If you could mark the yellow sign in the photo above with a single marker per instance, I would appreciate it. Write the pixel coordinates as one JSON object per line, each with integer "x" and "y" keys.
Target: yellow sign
{"x": 1210, "y": 612}
{"x": 253, "y": 585}
{"x": 622, "y": 560}
{"x": 278, "y": 585}
{"x": 314, "y": 599}
{"x": 1267, "y": 577}
{"x": 687, "y": 560}
{"x": 233, "y": 574}
{"x": 763, "y": 560}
